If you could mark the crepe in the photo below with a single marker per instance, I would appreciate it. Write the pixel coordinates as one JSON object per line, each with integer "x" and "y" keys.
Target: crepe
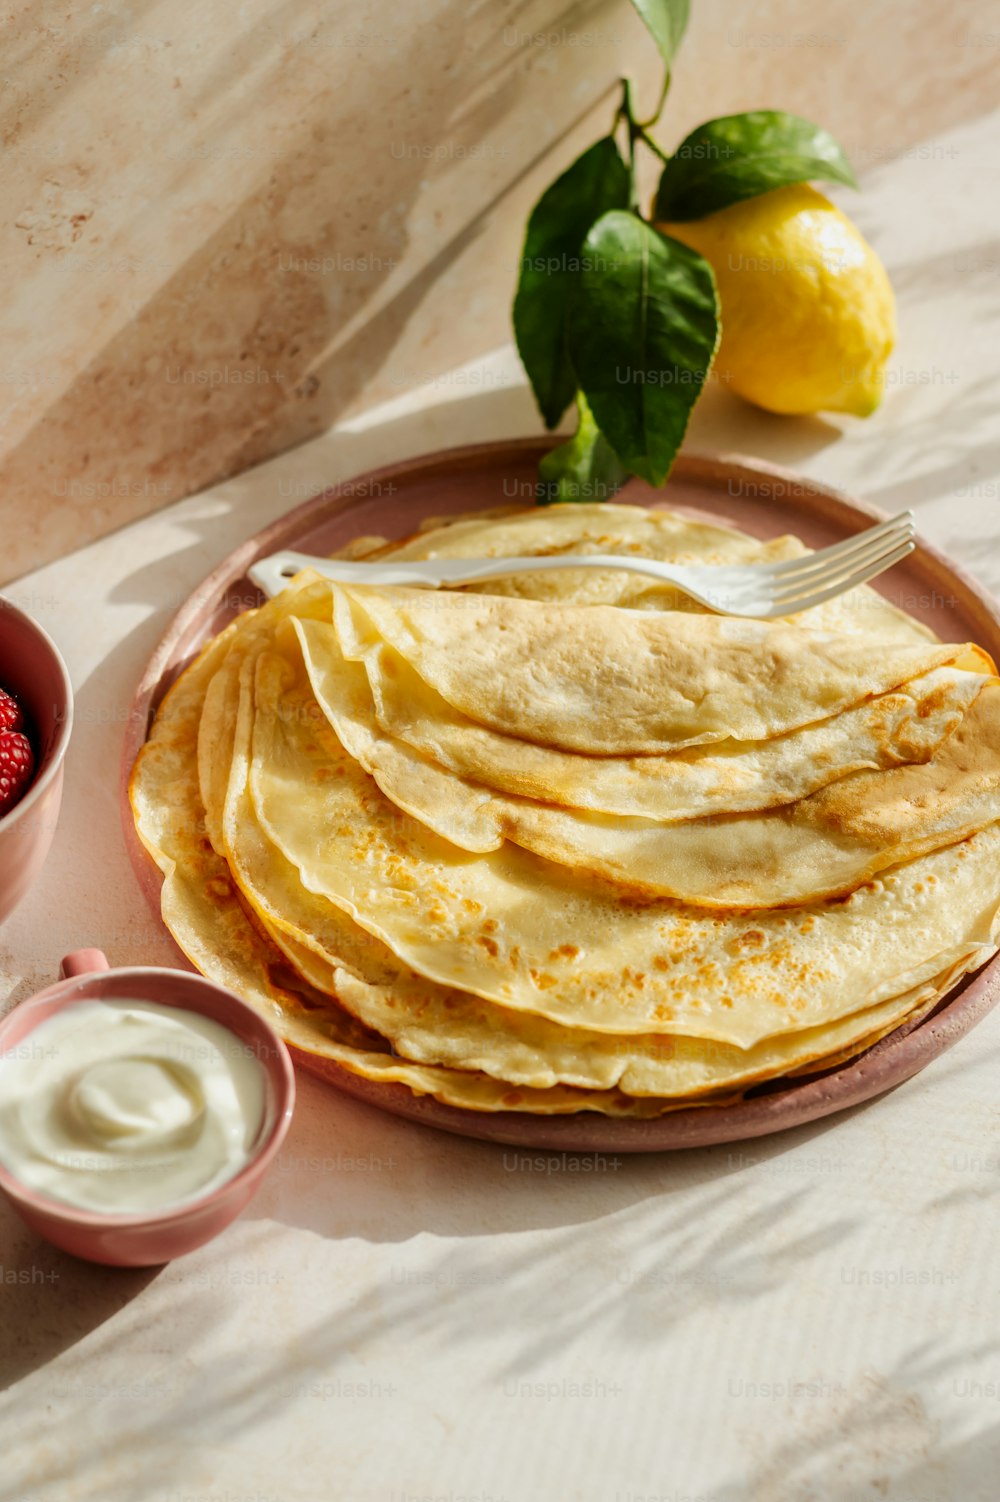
{"x": 729, "y": 776}
{"x": 522, "y": 851}
{"x": 218, "y": 700}
{"x": 534, "y": 936}
{"x": 820, "y": 846}
{"x": 436, "y": 1024}
{"x": 669, "y": 535}
{"x": 202, "y": 911}
{"x": 605, "y": 681}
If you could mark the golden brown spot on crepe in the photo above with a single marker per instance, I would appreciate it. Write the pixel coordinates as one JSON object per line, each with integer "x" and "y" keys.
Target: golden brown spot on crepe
{"x": 750, "y": 938}
{"x": 935, "y": 700}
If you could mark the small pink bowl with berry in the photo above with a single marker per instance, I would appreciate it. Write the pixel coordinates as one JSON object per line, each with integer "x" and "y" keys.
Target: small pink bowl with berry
{"x": 36, "y": 717}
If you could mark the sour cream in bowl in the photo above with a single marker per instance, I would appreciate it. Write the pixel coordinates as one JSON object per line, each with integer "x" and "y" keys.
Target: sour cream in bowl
{"x": 139, "y": 1110}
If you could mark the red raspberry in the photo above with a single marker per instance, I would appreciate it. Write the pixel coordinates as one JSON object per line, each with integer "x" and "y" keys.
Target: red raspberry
{"x": 11, "y": 717}
{"x": 17, "y": 764}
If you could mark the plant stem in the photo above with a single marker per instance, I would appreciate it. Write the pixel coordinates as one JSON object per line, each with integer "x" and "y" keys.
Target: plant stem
{"x": 627, "y": 113}
{"x": 645, "y": 125}
{"x": 638, "y": 130}
{"x": 656, "y": 149}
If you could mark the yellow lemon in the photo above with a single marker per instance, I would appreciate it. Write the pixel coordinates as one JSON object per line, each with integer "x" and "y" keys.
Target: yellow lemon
{"x": 808, "y": 313}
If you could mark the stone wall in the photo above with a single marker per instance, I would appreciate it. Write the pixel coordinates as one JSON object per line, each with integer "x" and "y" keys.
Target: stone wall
{"x": 225, "y": 227}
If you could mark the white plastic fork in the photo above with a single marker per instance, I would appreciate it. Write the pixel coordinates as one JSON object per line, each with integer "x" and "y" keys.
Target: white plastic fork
{"x": 762, "y": 590}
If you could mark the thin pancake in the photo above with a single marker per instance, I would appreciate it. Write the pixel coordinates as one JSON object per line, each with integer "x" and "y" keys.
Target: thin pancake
{"x": 517, "y": 930}
{"x": 201, "y": 910}
{"x": 605, "y": 681}
{"x": 652, "y": 532}
{"x": 435, "y": 1024}
{"x": 308, "y": 599}
{"x": 820, "y": 846}
{"x": 725, "y": 777}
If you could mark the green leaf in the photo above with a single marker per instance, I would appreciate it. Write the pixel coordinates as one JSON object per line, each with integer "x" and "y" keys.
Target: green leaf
{"x": 550, "y": 265}
{"x": 667, "y": 21}
{"x": 585, "y": 468}
{"x": 643, "y": 329}
{"x": 740, "y": 156}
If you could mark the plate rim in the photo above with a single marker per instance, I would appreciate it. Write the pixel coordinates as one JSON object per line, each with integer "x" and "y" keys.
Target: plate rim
{"x": 895, "y": 1058}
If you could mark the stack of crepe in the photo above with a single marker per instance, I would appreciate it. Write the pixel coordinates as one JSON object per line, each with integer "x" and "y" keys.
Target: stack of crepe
{"x": 567, "y": 842}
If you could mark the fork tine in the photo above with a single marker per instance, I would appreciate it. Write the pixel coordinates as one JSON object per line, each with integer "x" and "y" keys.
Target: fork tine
{"x": 819, "y": 561}
{"x": 796, "y": 577}
{"x": 747, "y": 588}
{"x": 843, "y": 586}
{"x": 841, "y": 567}
{"x": 843, "y": 580}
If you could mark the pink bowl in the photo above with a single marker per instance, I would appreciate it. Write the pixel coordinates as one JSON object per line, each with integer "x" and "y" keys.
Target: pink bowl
{"x": 145, "y": 1240}
{"x": 34, "y": 672}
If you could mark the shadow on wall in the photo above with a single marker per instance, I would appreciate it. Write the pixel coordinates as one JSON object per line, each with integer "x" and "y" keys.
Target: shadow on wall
{"x": 223, "y": 238}
{"x": 390, "y": 165}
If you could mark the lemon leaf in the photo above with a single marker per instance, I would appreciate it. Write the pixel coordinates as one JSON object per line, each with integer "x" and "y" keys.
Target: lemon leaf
{"x": 667, "y": 21}
{"x": 584, "y": 468}
{"x": 741, "y": 156}
{"x": 642, "y": 331}
{"x": 550, "y": 264}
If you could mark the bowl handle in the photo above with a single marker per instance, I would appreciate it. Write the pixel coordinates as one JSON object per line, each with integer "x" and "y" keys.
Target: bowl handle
{"x": 83, "y": 962}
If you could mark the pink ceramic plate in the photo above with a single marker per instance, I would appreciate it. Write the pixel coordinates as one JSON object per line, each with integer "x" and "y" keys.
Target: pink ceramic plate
{"x": 757, "y": 497}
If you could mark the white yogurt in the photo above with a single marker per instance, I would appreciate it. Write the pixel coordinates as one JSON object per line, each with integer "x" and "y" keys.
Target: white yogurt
{"x": 123, "y": 1107}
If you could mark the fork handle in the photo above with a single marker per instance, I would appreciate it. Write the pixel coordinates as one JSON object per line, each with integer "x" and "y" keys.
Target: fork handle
{"x": 272, "y": 574}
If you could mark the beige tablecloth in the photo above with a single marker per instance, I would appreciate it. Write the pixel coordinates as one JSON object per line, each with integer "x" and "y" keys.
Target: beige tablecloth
{"x": 401, "y": 1314}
